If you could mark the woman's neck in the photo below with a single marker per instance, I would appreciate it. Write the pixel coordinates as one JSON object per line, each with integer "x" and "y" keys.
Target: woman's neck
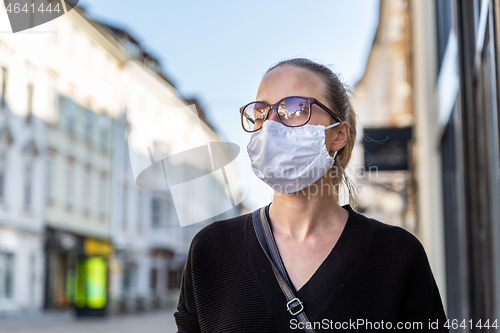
{"x": 307, "y": 213}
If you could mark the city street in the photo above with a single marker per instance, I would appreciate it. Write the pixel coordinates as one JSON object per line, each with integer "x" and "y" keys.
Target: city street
{"x": 154, "y": 322}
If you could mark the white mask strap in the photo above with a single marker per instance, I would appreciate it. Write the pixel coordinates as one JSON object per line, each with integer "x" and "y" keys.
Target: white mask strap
{"x": 332, "y": 125}
{"x": 327, "y": 127}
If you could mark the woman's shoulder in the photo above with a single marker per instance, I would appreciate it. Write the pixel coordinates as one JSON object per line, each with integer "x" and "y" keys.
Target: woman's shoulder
{"x": 222, "y": 232}
{"x": 391, "y": 237}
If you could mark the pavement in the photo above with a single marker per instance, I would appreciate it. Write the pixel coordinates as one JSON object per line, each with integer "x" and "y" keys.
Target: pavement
{"x": 150, "y": 322}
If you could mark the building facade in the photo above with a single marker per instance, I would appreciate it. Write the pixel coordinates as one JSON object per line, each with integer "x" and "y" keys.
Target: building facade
{"x": 22, "y": 171}
{"x": 465, "y": 97}
{"x": 83, "y": 71}
{"x": 382, "y": 99}
{"x": 151, "y": 245}
{"x": 453, "y": 68}
{"x": 76, "y": 229}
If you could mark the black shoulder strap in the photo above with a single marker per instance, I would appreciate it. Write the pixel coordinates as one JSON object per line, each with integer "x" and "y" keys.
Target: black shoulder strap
{"x": 266, "y": 240}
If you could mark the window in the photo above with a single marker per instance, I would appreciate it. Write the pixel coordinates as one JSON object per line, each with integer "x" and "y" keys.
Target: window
{"x": 124, "y": 206}
{"x": 152, "y": 64}
{"x": 104, "y": 126}
{"x": 30, "y": 102}
{"x": 155, "y": 212}
{"x": 3, "y": 98}
{"x": 71, "y": 115}
{"x": 139, "y": 211}
{"x": 32, "y": 278}
{"x": 170, "y": 212}
{"x": 444, "y": 19}
{"x": 130, "y": 278}
{"x": 87, "y": 186}
{"x": 2, "y": 178}
{"x": 28, "y": 184}
{"x": 102, "y": 196}
{"x": 6, "y": 275}
{"x": 89, "y": 125}
{"x": 126, "y": 133}
{"x": 132, "y": 48}
{"x": 61, "y": 114}
{"x": 153, "y": 281}
{"x": 69, "y": 185}
{"x": 49, "y": 186}
{"x": 159, "y": 212}
{"x": 52, "y": 98}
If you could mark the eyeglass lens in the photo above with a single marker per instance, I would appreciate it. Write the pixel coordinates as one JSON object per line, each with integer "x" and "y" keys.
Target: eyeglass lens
{"x": 292, "y": 111}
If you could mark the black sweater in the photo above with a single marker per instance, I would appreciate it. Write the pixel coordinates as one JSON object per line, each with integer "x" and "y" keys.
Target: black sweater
{"x": 375, "y": 274}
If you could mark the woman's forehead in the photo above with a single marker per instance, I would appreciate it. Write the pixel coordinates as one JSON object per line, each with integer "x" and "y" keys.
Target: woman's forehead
{"x": 288, "y": 80}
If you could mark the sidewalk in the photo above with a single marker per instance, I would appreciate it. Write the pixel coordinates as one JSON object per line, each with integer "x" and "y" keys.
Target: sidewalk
{"x": 150, "y": 322}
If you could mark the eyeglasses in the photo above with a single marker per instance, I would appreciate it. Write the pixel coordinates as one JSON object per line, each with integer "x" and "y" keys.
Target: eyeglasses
{"x": 293, "y": 111}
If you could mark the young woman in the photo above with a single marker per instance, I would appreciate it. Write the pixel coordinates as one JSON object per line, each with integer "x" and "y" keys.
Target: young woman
{"x": 346, "y": 272}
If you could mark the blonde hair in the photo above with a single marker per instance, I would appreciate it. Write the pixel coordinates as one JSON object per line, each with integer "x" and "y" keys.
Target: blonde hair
{"x": 338, "y": 100}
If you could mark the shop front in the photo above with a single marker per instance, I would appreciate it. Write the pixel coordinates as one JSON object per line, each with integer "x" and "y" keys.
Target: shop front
{"x": 165, "y": 276}
{"x": 76, "y": 272}
{"x": 62, "y": 251}
{"x": 91, "y": 278}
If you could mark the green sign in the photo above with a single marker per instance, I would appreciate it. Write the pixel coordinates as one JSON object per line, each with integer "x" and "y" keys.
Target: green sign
{"x": 90, "y": 283}
{"x": 96, "y": 282}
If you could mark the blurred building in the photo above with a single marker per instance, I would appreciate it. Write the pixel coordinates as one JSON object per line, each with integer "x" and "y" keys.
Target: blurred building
{"x": 383, "y": 101}
{"x": 150, "y": 244}
{"x": 456, "y": 58}
{"x": 82, "y": 72}
{"x": 23, "y": 142}
{"x": 451, "y": 86}
{"x": 75, "y": 229}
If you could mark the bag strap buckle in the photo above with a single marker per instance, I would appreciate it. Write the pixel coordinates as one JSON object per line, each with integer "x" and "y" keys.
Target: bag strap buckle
{"x": 295, "y": 306}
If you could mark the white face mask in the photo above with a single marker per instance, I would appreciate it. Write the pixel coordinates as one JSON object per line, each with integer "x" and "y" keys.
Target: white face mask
{"x": 289, "y": 159}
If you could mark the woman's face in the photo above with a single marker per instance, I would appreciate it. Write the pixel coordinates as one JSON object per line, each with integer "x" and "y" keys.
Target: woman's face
{"x": 289, "y": 80}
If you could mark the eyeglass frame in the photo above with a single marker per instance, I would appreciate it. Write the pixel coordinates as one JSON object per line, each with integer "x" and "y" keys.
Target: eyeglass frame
{"x": 310, "y": 100}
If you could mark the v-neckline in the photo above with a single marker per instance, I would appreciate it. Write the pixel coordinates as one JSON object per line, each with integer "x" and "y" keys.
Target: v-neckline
{"x": 330, "y": 276}
{"x": 324, "y": 262}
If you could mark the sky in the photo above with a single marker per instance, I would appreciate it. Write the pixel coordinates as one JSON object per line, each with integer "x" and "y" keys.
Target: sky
{"x": 218, "y": 51}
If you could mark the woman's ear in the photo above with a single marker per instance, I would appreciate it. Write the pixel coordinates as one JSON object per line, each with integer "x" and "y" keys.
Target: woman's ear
{"x": 340, "y": 136}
